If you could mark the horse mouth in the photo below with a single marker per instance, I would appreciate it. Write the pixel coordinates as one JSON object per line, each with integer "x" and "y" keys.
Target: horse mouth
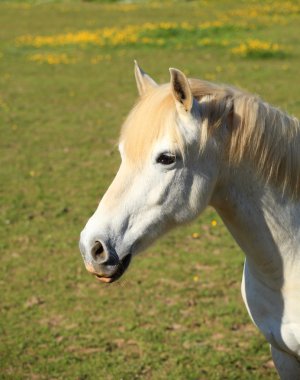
{"x": 121, "y": 268}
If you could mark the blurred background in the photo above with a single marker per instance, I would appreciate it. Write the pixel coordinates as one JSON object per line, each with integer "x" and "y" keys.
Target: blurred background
{"x": 66, "y": 85}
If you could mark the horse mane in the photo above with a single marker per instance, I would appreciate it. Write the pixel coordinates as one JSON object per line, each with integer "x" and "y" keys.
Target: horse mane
{"x": 258, "y": 132}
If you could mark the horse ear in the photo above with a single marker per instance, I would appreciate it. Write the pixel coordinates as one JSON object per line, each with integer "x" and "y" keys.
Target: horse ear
{"x": 143, "y": 81}
{"x": 181, "y": 89}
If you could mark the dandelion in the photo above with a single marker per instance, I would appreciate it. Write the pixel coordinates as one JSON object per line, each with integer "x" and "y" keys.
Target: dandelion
{"x": 211, "y": 24}
{"x": 195, "y": 278}
{"x": 186, "y": 26}
{"x": 257, "y": 48}
{"x": 206, "y": 42}
{"x": 100, "y": 58}
{"x": 214, "y": 223}
{"x": 195, "y": 235}
{"x": 121, "y": 7}
{"x": 212, "y": 42}
{"x": 51, "y": 59}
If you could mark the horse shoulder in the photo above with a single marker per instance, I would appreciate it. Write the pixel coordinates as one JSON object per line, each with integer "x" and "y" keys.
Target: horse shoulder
{"x": 276, "y": 312}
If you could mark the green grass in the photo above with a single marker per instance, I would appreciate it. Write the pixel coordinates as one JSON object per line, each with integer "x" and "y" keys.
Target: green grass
{"x": 177, "y": 313}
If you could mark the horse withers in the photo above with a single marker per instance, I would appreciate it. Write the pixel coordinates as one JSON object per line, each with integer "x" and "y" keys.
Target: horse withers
{"x": 188, "y": 144}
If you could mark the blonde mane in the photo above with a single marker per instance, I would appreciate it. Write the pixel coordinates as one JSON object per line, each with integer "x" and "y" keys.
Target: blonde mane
{"x": 259, "y": 132}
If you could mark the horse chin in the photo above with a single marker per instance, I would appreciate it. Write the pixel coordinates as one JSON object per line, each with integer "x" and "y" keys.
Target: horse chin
{"x": 121, "y": 269}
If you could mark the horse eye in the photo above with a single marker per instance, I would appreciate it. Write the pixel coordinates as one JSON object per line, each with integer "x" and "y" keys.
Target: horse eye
{"x": 166, "y": 159}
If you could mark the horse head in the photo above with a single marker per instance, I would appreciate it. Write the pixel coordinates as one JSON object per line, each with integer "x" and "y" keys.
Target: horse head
{"x": 165, "y": 178}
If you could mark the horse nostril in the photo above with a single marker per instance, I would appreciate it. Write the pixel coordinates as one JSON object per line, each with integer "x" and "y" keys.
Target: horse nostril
{"x": 98, "y": 253}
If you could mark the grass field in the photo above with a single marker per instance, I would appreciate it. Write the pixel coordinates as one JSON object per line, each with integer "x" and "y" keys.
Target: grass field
{"x": 66, "y": 84}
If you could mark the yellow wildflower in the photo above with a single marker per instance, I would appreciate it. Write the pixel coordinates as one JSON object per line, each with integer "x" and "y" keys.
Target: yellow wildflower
{"x": 100, "y": 58}
{"x": 257, "y": 47}
{"x": 51, "y": 59}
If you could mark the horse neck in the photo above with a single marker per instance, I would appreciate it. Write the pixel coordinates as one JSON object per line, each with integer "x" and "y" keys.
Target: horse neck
{"x": 265, "y": 223}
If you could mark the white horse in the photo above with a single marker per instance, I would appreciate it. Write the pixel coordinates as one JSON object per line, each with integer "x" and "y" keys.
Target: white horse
{"x": 191, "y": 143}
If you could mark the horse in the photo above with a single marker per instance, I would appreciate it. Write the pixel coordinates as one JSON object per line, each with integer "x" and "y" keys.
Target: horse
{"x": 188, "y": 144}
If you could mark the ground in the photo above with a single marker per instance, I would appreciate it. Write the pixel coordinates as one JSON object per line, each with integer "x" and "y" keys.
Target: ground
{"x": 66, "y": 84}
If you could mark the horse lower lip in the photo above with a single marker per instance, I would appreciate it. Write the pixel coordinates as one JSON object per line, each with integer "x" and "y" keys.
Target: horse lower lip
{"x": 124, "y": 263}
{"x": 106, "y": 280}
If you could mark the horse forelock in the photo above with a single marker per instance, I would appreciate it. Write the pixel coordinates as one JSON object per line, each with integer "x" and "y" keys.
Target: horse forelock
{"x": 153, "y": 117}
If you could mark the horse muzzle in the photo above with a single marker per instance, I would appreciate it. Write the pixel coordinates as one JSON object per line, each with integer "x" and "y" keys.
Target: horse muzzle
{"x": 104, "y": 263}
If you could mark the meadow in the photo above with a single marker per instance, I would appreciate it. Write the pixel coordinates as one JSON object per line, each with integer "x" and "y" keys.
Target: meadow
{"x": 66, "y": 85}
